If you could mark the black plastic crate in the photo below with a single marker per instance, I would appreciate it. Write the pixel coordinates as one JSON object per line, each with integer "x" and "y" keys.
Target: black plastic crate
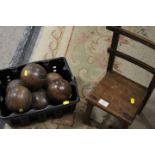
{"x": 58, "y": 65}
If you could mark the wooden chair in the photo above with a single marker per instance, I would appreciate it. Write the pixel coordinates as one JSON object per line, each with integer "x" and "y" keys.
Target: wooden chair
{"x": 117, "y": 94}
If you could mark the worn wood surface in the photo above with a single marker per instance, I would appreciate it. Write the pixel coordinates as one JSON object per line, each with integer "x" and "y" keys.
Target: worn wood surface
{"x": 117, "y": 90}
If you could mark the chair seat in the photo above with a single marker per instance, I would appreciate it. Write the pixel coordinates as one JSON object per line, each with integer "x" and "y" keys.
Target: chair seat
{"x": 118, "y": 90}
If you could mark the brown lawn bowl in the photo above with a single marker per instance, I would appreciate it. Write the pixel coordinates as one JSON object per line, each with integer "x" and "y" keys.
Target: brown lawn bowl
{"x": 59, "y": 90}
{"x": 39, "y": 99}
{"x": 52, "y": 77}
{"x": 34, "y": 76}
{"x": 13, "y": 84}
{"x": 19, "y": 99}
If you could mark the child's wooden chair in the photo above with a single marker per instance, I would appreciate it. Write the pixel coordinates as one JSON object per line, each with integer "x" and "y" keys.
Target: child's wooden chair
{"x": 117, "y": 94}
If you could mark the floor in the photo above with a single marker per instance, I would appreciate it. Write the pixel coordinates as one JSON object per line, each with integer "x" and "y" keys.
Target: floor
{"x": 86, "y": 51}
{"x": 85, "y": 48}
{"x": 9, "y": 40}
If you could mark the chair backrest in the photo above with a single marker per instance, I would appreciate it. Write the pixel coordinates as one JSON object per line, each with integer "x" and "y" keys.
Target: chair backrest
{"x": 117, "y": 31}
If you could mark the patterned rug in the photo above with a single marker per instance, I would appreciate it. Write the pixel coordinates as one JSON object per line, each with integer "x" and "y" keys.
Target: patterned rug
{"x": 86, "y": 51}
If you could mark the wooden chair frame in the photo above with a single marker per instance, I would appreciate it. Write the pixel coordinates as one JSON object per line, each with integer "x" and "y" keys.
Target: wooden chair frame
{"x": 117, "y": 31}
{"x": 113, "y": 52}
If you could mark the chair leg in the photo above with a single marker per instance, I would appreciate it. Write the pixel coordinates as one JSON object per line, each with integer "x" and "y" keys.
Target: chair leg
{"x": 88, "y": 113}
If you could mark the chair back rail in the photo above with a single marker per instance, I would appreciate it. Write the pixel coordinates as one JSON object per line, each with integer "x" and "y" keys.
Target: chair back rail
{"x": 131, "y": 35}
{"x": 114, "y": 44}
{"x": 132, "y": 60}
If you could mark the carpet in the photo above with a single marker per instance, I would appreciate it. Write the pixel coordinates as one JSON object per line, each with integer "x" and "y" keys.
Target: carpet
{"x": 86, "y": 51}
